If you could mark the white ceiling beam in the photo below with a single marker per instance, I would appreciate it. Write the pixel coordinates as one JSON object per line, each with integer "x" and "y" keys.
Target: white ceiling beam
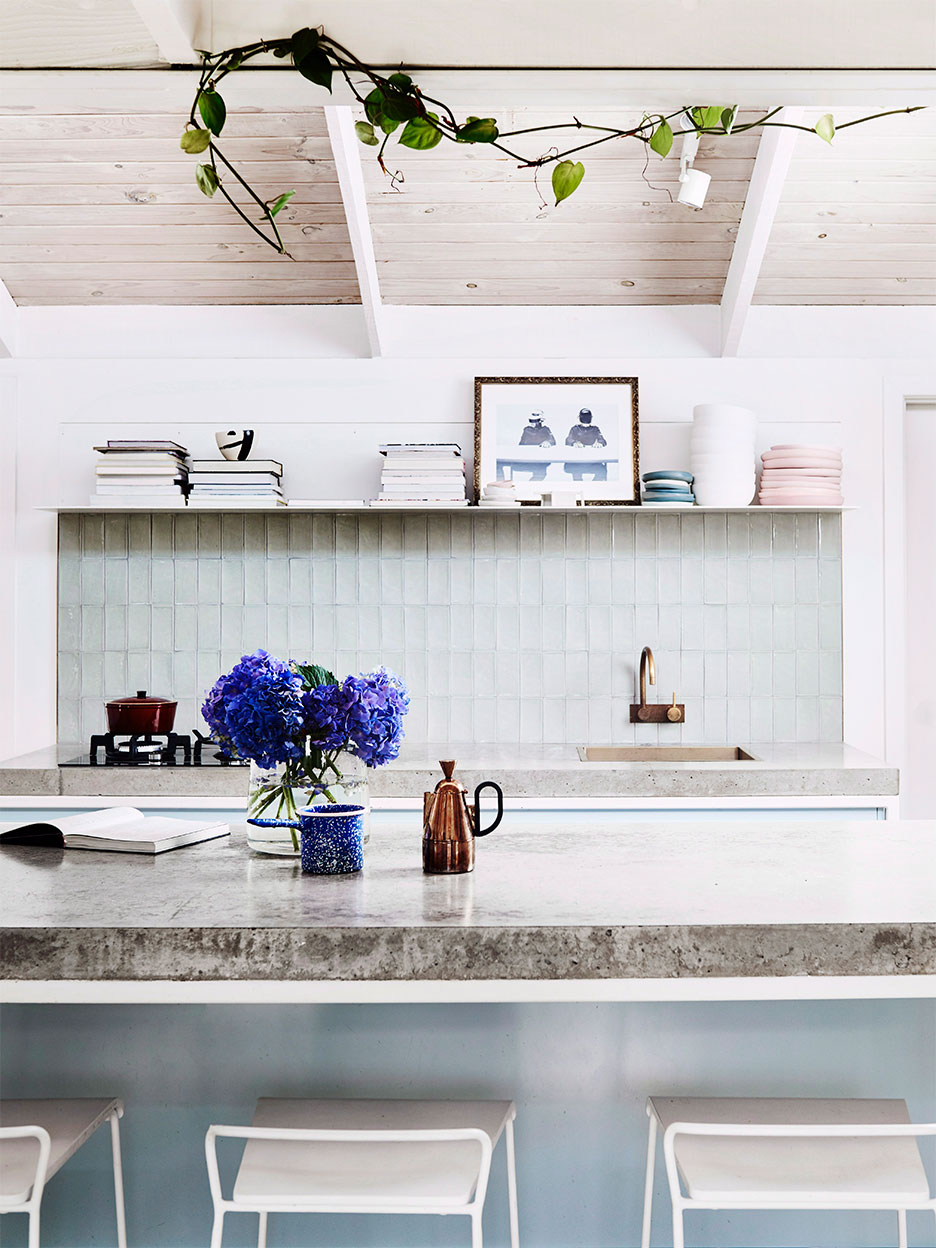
{"x": 346, "y": 149}
{"x": 9, "y": 326}
{"x": 172, "y": 24}
{"x": 162, "y": 90}
{"x": 774, "y": 153}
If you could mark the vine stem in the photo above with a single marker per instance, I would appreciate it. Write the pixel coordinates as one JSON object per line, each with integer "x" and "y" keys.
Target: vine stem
{"x": 216, "y": 67}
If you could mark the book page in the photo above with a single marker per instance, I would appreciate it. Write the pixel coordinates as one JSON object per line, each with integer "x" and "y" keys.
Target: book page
{"x": 113, "y": 821}
{"x": 155, "y": 829}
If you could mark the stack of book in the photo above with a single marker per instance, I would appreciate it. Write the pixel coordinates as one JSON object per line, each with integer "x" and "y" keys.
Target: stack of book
{"x": 140, "y": 472}
{"x": 240, "y": 483}
{"x": 422, "y": 474}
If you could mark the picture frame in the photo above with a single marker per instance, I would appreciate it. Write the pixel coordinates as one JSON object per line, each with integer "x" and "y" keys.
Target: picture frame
{"x": 539, "y": 432}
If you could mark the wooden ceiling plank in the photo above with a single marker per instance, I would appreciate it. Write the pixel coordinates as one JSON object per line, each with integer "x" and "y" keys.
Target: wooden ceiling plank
{"x": 346, "y": 148}
{"x": 171, "y": 24}
{"x": 390, "y": 214}
{"x": 472, "y": 269}
{"x": 158, "y": 151}
{"x": 438, "y": 235}
{"x": 132, "y": 289}
{"x": 171, "y": 172}
{"x": 239, "y": 124}
{"x": 252, "y": 299}
{"x": 15, "y": 250}
{"x": 311, "y": 194}
{"x": 324, "y": 222}
{"x": 105, "y": 270}
{"x": 806, "y": 284}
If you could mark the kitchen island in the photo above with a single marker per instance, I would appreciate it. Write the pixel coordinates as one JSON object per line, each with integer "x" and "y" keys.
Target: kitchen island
{"x": 555, "y": 910}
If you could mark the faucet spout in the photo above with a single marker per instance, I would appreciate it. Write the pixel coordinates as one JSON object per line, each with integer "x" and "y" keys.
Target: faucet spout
{"x": 646, "y": 666}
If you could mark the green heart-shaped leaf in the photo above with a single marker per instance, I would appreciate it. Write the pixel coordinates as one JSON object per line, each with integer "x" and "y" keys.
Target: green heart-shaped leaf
{"x": 825, "y": 127}
{"x": 316, "y": 66}
{"x": 302, "y": 43}
{"x": 281, "y": 203}
{"x": 662, "y": 139}
{"x": 420, "y": 134}
{"x": 728, "y": 118}
{"x": 365, "y": 132}
{"x": 403, "y": 81}
{"x": 565, "y": 179}
{"x": 206, "y": 179}
{"x": 213, "y": 110}
{"x": 478, "y": 130}
{"x": 195, "y": 140}
{"x": 399, "y": 107}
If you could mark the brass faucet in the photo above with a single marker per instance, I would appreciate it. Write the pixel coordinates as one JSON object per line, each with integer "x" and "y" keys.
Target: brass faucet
{"x": 657, "y": 712}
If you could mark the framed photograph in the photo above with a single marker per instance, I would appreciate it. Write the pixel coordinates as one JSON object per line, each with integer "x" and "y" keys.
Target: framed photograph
{"x": 567, "y": 434}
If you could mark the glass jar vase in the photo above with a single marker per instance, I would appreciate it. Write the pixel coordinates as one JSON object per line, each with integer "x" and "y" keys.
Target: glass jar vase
{"x": 279, "y": 792}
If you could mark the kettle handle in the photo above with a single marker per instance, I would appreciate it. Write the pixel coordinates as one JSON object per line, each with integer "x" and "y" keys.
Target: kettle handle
{"x": 488, "y": 784}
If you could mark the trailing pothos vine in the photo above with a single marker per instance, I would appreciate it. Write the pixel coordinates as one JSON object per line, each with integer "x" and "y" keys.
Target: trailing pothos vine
{"x": 394, "y": 105}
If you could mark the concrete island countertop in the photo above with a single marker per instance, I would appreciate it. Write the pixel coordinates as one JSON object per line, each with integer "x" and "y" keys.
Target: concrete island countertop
{"x": 803, "y": 770}
{"x": 548, "y": 903}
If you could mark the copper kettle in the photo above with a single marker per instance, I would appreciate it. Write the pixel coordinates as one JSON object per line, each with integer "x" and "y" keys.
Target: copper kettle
{"x": 450, "y": 823}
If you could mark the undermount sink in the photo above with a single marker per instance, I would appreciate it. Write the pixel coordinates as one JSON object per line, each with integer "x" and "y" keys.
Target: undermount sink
{"x": 664, "y": 754}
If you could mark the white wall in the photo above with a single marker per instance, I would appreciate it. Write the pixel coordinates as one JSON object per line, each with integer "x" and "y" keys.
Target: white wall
{"x": 324, "y": 414}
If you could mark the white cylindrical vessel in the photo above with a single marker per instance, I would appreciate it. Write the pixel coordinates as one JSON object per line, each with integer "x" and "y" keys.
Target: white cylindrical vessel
{"x": 721, "y": 454}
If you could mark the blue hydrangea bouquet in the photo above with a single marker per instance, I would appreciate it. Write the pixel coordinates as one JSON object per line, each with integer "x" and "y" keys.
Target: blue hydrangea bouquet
{"x": 298, "y": 721}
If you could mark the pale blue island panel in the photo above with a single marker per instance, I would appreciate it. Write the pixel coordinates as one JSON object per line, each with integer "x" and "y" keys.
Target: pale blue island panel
{"x": 580, "y": 1075}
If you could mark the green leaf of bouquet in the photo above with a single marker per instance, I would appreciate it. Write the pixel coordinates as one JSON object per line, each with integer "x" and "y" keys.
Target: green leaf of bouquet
{"x": 314, "y": 675}
{"x": 711, "y": 116}
{"x": 316, "y": 66}
{"x": 213, "y": 110}
{"x": 195, "y": 140}
{"x": 662, "y": 139}
{"x": 825, "y": 127}
{"x": 206, "y": 179}
{"x": 728, "y": 118}
{"x": 420, "y": 134}
{"x": 365, "y": 132}
{"x": 281, "y": 202}
{"x": 565, "y": 179}
{"x": 478, "y": 130}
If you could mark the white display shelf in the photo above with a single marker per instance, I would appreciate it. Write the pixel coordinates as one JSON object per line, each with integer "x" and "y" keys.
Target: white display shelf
{"x": 65, "y": 510}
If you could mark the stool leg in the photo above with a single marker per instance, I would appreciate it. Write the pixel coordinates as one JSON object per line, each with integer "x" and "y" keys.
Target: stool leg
{"x": 217, "y": 1228}
{"x": 512, "y": 1186}
{"x": 476, "y": 1241}
{"x": 648, "y": 1184}
{"x": 261, "y": 1237}
{"x": 34, "y": 1228}
{"x": 901, "y": 1228}
{"x": 118, "y": 1182}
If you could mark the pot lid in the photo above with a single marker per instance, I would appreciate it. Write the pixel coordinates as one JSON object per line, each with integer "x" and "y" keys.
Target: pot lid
{"x": 142, "y": 699}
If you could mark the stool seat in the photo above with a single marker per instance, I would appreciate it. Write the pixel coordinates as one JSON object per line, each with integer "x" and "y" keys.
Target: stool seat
{"x": 370, "y": 1172}
{"x": 69, "y": 1124}
{"x": 800, "y": 1170}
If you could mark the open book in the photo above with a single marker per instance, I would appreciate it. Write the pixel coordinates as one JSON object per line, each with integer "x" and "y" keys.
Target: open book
{"x": 120, "y": 828}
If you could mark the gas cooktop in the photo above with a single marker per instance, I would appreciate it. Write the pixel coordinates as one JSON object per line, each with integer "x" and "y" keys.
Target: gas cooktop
{"x": 170, "y": 749}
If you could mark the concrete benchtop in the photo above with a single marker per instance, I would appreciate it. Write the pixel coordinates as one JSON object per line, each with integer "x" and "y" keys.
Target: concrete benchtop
{"x": 803, "y": 770}
{"x": 556, "y": 901}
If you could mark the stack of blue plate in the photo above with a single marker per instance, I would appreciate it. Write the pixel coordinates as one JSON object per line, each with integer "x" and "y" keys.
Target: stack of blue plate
{"x": 668, "y": 488}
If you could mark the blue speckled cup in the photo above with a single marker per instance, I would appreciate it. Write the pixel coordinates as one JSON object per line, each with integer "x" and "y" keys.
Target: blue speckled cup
{"x": 331, "y": 839}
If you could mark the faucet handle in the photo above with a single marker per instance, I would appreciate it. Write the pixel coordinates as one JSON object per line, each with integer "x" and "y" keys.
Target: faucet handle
{"x": 674, "y": 713}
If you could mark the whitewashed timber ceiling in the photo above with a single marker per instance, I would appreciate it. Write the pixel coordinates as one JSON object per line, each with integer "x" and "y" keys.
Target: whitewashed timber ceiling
{"x": 97, "y": 203}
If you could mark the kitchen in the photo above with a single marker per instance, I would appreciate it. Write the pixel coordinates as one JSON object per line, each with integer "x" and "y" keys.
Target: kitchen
{"x": 740, "y": 907}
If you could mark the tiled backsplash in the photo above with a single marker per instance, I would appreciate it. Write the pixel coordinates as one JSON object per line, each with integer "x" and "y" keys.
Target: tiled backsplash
{"x": 507, "y": 627}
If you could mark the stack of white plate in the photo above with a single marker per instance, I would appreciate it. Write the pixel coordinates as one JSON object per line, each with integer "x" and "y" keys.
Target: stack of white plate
{"x": 721, "y": 455}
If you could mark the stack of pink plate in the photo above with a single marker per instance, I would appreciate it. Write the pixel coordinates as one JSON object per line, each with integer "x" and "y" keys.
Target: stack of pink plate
{"x": 801, "y": 476}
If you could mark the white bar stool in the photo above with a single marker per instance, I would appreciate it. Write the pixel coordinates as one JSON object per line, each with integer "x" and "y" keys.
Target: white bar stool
{"x": 739, "y": 1153}
{"x": 363, "y": 1156}
{"x": 36, "y": 1140}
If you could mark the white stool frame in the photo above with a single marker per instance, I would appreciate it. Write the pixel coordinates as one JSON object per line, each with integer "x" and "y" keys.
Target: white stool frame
{"x": 473, "y": 1208}
{"x": 841, "y": 1130}
{"x": 31, "y": 1207}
